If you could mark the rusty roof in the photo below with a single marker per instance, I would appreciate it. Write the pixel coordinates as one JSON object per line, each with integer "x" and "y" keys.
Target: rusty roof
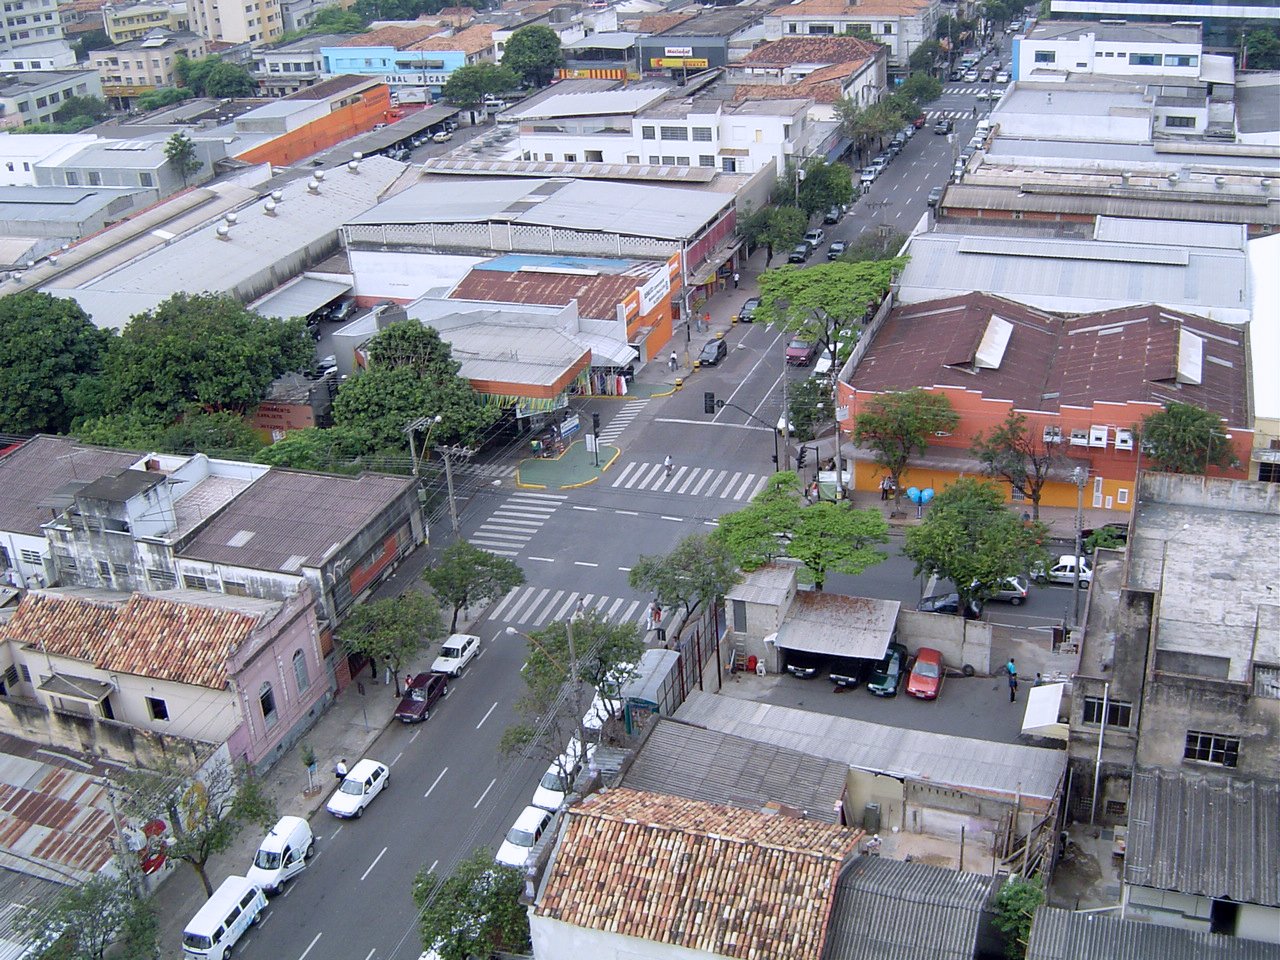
{"x": 658, "y": 22}
{"x": 398, "y": 38}
{"x": 54, "y": 823}
{"x": 32, "y": 473}
{"x": 598, "y": 296}
{"x": 826, "y": 50}
{"x": 1038, "y": 361}
{"x": 473, "y": 39}
{"x": 697, "y": 875}
{"x": 146, "y": 636}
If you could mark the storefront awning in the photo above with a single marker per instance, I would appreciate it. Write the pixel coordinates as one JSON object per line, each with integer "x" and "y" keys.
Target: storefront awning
{"x": 838, "y": 148}
{"x": 706, "y": 271}
{"x": 71, "y": 687}
{"x": 1041, "y": 716}
{"x": 606, "y": 352}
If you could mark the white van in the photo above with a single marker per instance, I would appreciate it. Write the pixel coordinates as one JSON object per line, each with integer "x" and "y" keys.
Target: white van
{"x": 283, "y": 854}
{"x": 222, "y": 921}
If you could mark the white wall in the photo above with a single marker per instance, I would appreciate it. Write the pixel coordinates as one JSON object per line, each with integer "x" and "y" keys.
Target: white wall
{"x": 20, "y": 153}
{"x": 1084, "y": 53}
{"x": 555, "y": 940}
{"x": 31, "y": 572}
{"x": 405, "y": 276}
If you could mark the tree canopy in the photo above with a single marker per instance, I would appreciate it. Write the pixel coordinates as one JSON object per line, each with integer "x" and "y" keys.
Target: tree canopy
{"x": 162, "y": 97}
{"x": 1262, "y": 49}
{"x": 775, "y": 228}
{"x": 970, "y": 537}
{"x": 212, "y": 76}
{"x": 811, "y": 404}
{"x": 73, "y": 108}
{"x": 468, "y": 86}
{"x": 394, "y": 629}
{"x": 85, "y": 920}
{"x": 47, "y": 347}
{"x": 1183, "y": 438}
{"x": 473, "y": 912}
{"x": 898, "y": 425}
{"x": 757, "y": 534}
{"x": 180, "y": 151}
{"x": 534, "y": 54}
{"x": 1020, "y": 454}
{"x": 697, "y": 571}
{"x": 1016, "y": 905}
{"x": 825, "y": 185}
{"x": 467, "y": 576}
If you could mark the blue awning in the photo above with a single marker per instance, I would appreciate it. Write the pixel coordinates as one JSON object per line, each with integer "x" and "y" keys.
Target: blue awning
{"x": 841, "y": 145}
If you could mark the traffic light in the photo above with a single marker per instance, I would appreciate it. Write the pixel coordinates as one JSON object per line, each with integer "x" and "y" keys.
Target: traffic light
{"x": 595, "y": 423}
{"x": 800, "y": 455}
{"x": 774, "y": 458}
{"x": 708, "y": 402}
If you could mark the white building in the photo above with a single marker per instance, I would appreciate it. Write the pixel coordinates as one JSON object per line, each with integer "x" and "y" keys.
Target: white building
{"x": 1110, "y": 48}
{"x": 258, "y": 21}
{"x": 19, "y": 155}
{"x": 35, "y": 96}
{"x": 27, "y": 22}
{"x": 290, "y": 67}
{"x": 43, "y": 55}
{"x": 901, "y": 25}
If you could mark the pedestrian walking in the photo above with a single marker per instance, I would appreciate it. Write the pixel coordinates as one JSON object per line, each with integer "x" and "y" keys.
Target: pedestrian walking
{"x": 582, "y": 606}
{"x": 975, "y": 111}
{"x": 885, "y": 483}
{"x": 735, "y": 279}
{"x": 674, "y": 361}
{"x": 669, "y": 464}
{"x": 340, "y": 769}
{"x": 1012, "y": 670}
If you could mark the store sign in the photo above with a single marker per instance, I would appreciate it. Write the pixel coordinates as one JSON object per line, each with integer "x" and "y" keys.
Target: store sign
{"x": 677, "y": 51}
{"x": 679, "y": 63}
{"x": 653, "y": 292}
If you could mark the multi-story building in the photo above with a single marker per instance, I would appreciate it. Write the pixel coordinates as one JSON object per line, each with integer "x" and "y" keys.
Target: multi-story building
{"x": 1224, "y": 21}
{"x": 43, "y": 55}
{"x": 36, "y": 96}
{"x": 415, "y": 62}
{"x": 290, "y": 67}
{"x": 128, "y": 163}
{"x": 825, "y": 69}
{"x": 136, "y": 20}
{"x": 26, "y": 22}
{"x": 699, "y": 42}
{"x": 258, "y": 21}
{"x": 901, "y": 25}
{"x": 135, "y": 67}
{"x": 1149, "y": 50}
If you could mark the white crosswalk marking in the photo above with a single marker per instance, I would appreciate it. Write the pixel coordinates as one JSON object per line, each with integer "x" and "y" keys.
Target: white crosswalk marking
{"x": 512, "y": 524}
{"x": 490, "y": 471}
{"x": 689, "y": 481}
{"x": 531, "y": 607}
{"x": 621, "y": 420}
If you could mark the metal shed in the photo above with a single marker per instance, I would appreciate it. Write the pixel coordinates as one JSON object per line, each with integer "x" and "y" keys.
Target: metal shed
{"x": 655, "y": 688}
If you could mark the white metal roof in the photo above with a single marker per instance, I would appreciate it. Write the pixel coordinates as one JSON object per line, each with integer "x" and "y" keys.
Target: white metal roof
{"x": 590, "y": 103}
{"x": 300, "y": 298}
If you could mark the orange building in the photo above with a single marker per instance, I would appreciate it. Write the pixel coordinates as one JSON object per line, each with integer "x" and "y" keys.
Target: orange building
{"x": 1083, "y": 383}
{"x": 316, "y": 118}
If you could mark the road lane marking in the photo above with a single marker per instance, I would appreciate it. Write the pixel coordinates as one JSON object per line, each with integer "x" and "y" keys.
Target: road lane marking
{"x": 397, "y": 757}
{"x": 743, "y": 489}
{"x": 587, "y": 509}
{"x": 486, "y": 716}
{"x": 338, "y": 831}
{"x": 623, "y": 475}
{"x": 369, "y": 955}
{"x": 714, "y": 423}
{"x": 432, "y": 868}
{"x": 584, "y": 563}
{"x": 543, "y": 559}
{"x": 628, "y": 513}
{"x": 537, "y": 618}
{"x": 435, "y": 783}
{"x": 676, "y": 479}
{"x": 676, "y": 519}
{"x": 505, "y": 600}
{"x": 374, "y": 864}
{"x": 310, "y": 945}
{"x": 476, "y": 805}
{"x": 416, "y": 734}
{"x": 625, "y": 569}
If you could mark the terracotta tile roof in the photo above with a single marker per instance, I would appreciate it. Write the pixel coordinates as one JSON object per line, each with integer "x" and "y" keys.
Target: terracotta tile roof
{"x": 658, "y": 22}
{"x": 838, "y": 8}
{"x": 146, "y": 636}
{"x": 697, "y": 875}
{"x": 398, "y": 38}
{"x": 473, "y": 39}
{"x": 1130, "y": 354}
{"x": 821, "y": 90}
{"x": 791, "y": 50}
{"x": 598, "y": 296}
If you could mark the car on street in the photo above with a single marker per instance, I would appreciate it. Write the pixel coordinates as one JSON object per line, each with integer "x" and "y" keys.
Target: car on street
{"x": 919, "y": 121}
{"x": 1012, "y": 590}
{"x": 455, "y": 653}
{"x": 971, "y": 76}
{"x": 908, "y": 131}
{"x": 815, "y": 236}
{"x": 848, "y": 671}
{"x": 800, "y": 253}
{"x": 421, "y": 693}
{"x": 925, "y": 679}
{"x": 886, "y": 676}
{"x": 944, "y": 125}
{"x": 804, "y": 665}
{"x": 800, "y": 353}
{"x": 950, "y": 603}
{"x": 935, "y": 196}
{"x": 1064, "y": 571}
{"x": 833, "y": 214}
{"x": 444, "y": 136}
{"x": 713, "y": 351}
{"x": 558, "y": 780}
{"x": 882, "y": 160}
{"x": 524, "y": 833}
{"x": 827, "y": 359}
{"x": 988, "y": 95}
{"x": 868, "y": 175}
{"x": 1002, "y": 77}
{"x": 747, "y": 312}
{"x": 363, "y": 782}
{"x": 837, "y": 249}
{"x": 988, "y": 75}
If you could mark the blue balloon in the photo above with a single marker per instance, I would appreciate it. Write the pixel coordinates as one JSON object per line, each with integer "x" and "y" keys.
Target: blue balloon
{"x": 913, "y": 494}
{"x": 926, "y": 494}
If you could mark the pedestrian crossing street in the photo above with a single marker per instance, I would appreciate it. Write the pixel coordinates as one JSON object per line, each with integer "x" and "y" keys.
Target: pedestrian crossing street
{"x": 972, "y": 89}
{"x": 512, "y": 525}
{"x": 630, "y": 410}
{"x": 486, "y": 471}
{"x": 948, "y": 114}
{"x": 535, "y": 606}
{"x": 692, "y": 481}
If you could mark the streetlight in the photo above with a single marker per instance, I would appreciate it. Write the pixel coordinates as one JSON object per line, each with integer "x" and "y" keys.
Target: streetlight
{"x": 573, "y": 673}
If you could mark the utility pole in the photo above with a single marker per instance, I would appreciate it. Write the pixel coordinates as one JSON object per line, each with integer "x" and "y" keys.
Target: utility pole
{"x": 576, "y": 680}
{"x": 785, "y": 463}
{"x": 1079, "y": 476}
{"x": 446, "y": 453}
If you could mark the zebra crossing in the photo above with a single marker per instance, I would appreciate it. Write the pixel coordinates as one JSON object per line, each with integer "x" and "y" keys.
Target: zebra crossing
{"x": 613, "y": 429}
{"x": 512, "y": 525}
{"x": 535, "y": 606}
{"x": 971, "y": 89}
{"x": 693, "y": 481}
{"x": 485, "y": 471}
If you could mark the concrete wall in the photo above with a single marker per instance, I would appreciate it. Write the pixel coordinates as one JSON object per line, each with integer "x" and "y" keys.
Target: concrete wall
{"x": 959, "y": 641}
{"x": 555, "y": 940}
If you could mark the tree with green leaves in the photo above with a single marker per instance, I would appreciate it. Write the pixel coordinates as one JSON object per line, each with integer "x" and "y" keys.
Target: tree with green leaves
{"x": 1102, "y": 538}
{"x": 834, "y": 537}
{"x": 1016, "y": 906}
{"x": 1183, "y": 438}
{"x": 90, "y": 108}
{"x": 1262, "y": 49}
{"x": 695, "y": 573}
{"x": 473, "y": 912}
{"x": 534, "y": 53}
{"x": 972, "y": 539}
{"x": 1020, "y": 454}
{"x": 206, "y": 811}
{"x": 825, "y": 185}
{"x": 875, "y": 245}
{"x": 336, "y": 20}
{"x": 393, "y": 630}
{"x": 919, "y": 88}
{"x": 88, "y": 41}
{"x": 873, "y": 122}
{"x": 180, "y": 151}
{"x": 783, "y": 228}
{"x": 467, "y": 576}
{"x": 212, "y": 76}
{"x": 203, "y": 349}
{"x": 161, "y": 97}
{"x": 811, "y": 404}
{"x": 84, "y": 921}
{"x": 468, "y": 86}
{"x": 924, "y": 58}
{"x": 335, "y": 449}
{"x": 899, "y": 425}
{"x": 758, "y": 533}
{"x": 218, "y": 433}
{"x": 48, "y": 348}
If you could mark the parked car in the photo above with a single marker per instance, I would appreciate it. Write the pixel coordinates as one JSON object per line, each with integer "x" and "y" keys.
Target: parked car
{"x": 868, "y": 175}
{"x": 827, "y": 359}
{"x": 815, "y": 237}
{"x": 907, "y": 132}
{"x": 1064, "y": 571}
{"x": 1002, "y": 76}
{"x": 886, "y": 675}
{"x": 833, "y": 214}
{"x": 805, "y": 665}
{"x": 800, "y": 353}
{"x": 456, "y": 652}
{"x": 344, "y": 311}
{"x": 558, "y": 780}
{"x": 420, "y": 695}
{"x": 800, "y": 253}
{"x": 712, "y": 353}
{"x": 363, "y": 782}
{"x": 935, "y": 196}
{"x": 837, "y": 249}
{"x": 882, "y": 160}
{"x": 944, "y": 126}
{"x": 988, "y": 75}
{"x": 524, "y": 833}
{"x": 950, "y": 603}
{"x": 444, "y": 136}
{"x": 1011, "y": 590}
{"x": 971, "y": 76}
{"x": 848, "y": 672}
{"x": 283, "y": 854}
{"x": 919, "y": 121}
{"x": 925, "y": 679}
{"x": 747, "y": 312}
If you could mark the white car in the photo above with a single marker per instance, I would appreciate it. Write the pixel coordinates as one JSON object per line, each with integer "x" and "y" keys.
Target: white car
{"x": 1002, "y": 77}
{"x": 457, "y": 651}
{"x": 363, "y": 782}
{"x": 1064, "y": 571}
{"x": 558, "y": 780}
{"x": 826, "y": 359}
{"x": 524, "y": 833}
{"x": 815, "y": 237}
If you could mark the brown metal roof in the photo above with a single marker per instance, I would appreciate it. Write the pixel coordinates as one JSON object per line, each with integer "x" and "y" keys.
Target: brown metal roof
{"x": 702, "y": 876}
{"x": 598, "y": 296}
{"x": 54, "y": 823}
{"x": 31, "y": 473}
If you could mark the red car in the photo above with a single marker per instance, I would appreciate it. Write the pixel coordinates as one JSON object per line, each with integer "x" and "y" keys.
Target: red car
{"x": 800, "y": 353}
{"x": 420, "y": 695}
{"x": 925, "y": 680}
{"x": 918, "y": 122}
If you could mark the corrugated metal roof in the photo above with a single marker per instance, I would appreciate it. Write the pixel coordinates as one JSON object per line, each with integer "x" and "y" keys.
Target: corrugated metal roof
{"x": 598, "y": 295}
{"x": 40, "y": 467}
{"x": 998, "y": 769}
{"x": 591, "y": 103}
{"x": 769, "y": 584}
{"x": 1179, "y": 233}
{"x": 300, "y": 298}
{"x": 55, "y": 823}
{"x": 1216, "y": 838}
{"x": 891, "y": 910}
{"x": 838, "y": 625}
{"x": 1058, "y": 934}
{"x": 1149, "y": 211}
{"x": 688, "y": 761}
